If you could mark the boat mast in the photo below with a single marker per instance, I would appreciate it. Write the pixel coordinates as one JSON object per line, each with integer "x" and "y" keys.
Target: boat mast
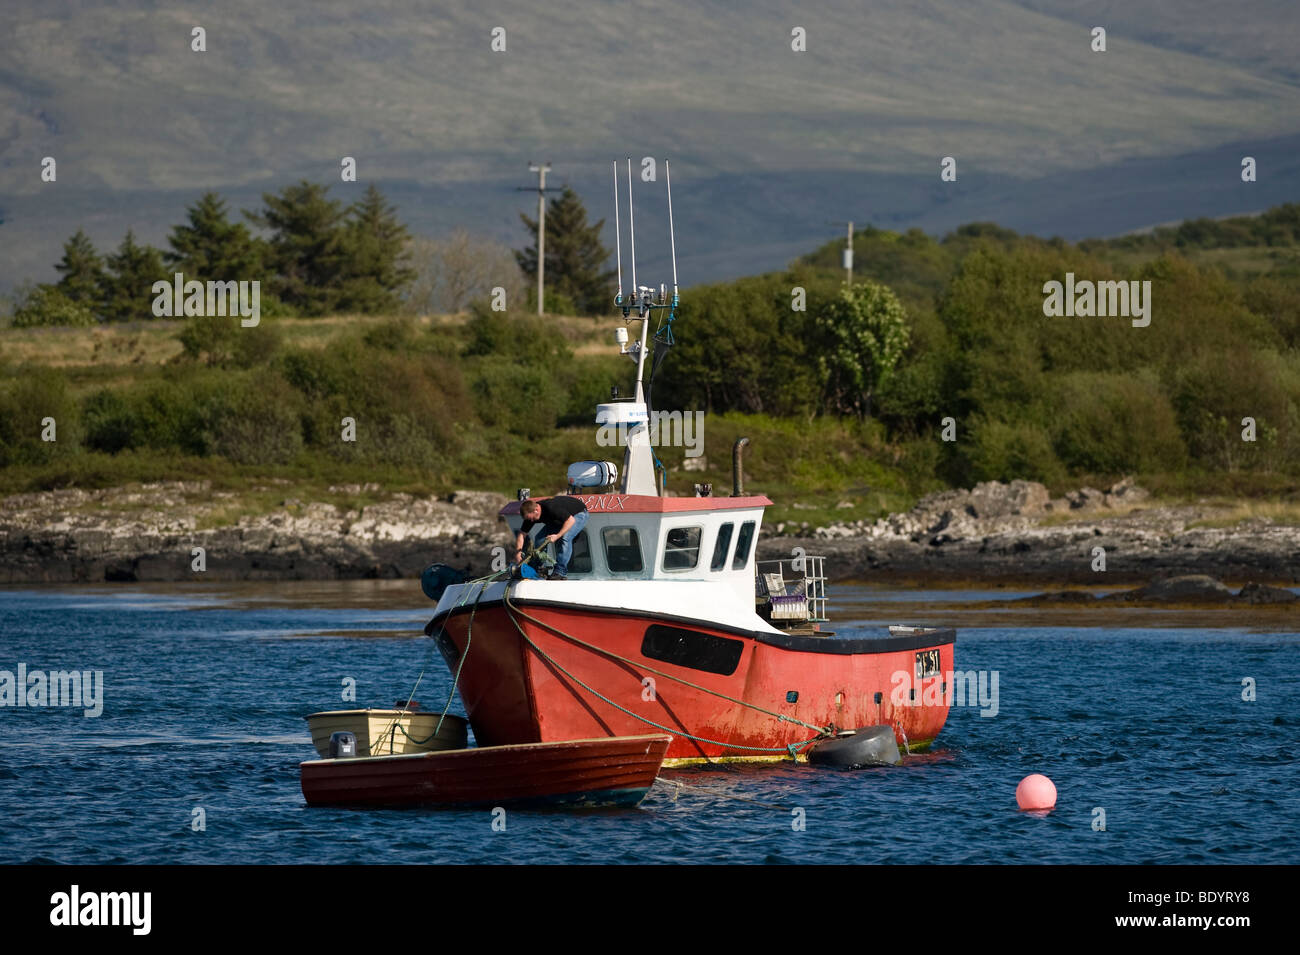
{"x": 618, "y": 238}
{"x": 672, "y": 239}
{"x": 641, "y": 297}
{"x": 633, "y": 417}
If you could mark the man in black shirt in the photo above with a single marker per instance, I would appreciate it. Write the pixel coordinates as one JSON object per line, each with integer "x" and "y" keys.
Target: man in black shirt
{"x": 562, "y": 518}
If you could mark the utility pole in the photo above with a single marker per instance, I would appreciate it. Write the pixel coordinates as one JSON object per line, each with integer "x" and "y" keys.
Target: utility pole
{"x": 541, "y": 169}
{"x": 848, "y": 253}
{"x": 848, "y": 256}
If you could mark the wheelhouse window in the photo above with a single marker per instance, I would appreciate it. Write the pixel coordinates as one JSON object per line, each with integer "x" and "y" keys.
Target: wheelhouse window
{"x": 682, "y": 547}
{"x": 691, "y": 648}
{"x": 743, "y": 542}
{"x": 622, "y": 550}
{"x": 721, "y": 546}
{"x": 580, "y": 559}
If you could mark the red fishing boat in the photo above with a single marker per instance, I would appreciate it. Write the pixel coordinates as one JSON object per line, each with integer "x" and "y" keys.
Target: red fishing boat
{"x": 584, "y": 773}
{"x": 667, "y": 622}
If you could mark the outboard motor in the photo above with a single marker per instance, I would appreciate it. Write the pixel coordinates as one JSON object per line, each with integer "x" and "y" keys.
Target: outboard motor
{"x": 343, "y": 745}
{"x": 438, "y": 577}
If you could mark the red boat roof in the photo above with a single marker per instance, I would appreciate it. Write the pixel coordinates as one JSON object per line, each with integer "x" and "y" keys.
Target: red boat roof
{"x": 652, "y": 504}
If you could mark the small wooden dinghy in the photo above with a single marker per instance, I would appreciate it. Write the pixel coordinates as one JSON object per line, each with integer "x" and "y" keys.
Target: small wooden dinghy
{"x": 389, "y": 732}
{"x": 616, "y": 771}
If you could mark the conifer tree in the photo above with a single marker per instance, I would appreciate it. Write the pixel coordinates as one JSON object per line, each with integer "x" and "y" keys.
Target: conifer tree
{"x": 574, "y": 255}
{"x": 81, "y": 270}
{"x": 308, "y": 246}
{"x": 211, "y": 247}
{"x": 126, "y": 294}
{"x": 374, "y": 273}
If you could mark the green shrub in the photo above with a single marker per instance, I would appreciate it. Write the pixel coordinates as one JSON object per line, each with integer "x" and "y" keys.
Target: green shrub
{"x": 36, "y": 403}
{"x": 1213, "y": 396}
{"x": 742, "y": 348}
{"x": 46, "y": 305}
{"x": 222, "y": 341}
{"x": 587, "y": 384}
{"x": 524, "y": 399}
{"x": 111, "y": 422}
{"x": 525, "y": 339}
{"x": 396, "y": 334}
{"x": 1116, "y": 424}
{"x": 1003, "y": 451}
{"x": 258, "y": 422}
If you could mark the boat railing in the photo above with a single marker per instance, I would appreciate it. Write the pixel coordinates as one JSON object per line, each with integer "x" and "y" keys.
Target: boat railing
{"x": 803, "y": 576}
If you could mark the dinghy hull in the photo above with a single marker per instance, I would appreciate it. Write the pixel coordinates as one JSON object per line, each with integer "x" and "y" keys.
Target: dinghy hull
{"x": 589, "y": 773}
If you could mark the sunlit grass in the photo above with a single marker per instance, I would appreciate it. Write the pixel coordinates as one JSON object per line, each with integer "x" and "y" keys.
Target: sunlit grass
{"x": 1233, "y": 513}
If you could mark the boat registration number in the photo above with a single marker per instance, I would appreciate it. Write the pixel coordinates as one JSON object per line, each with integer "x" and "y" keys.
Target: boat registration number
{"x": 927, "y": 664}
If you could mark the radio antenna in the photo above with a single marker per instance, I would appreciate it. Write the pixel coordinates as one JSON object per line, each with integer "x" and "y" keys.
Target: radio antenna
{"x": 618, "y": 238}
{"x": 672, "y": 240}
{"x": 631, "y": 225}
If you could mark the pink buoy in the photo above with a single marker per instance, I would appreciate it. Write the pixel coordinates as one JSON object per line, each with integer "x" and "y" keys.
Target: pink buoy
{"x": 1036, "y": 792}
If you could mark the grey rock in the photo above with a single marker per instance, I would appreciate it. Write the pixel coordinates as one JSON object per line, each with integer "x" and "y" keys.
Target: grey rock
{"x": 1254, "y": 593}
{"x": 1189, "y": 588}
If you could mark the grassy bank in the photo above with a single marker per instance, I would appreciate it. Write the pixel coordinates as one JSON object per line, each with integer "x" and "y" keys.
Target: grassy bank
{"x": 502, "y": 400}
{"x": 816, "y": 464}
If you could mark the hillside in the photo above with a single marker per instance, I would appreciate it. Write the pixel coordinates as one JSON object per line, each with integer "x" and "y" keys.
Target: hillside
{"x": 766, "y": 142}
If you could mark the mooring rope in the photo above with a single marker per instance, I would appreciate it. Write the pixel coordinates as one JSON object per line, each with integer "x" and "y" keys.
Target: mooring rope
{"x": 531, "y": 552}
{"x": 781, "y": 717}
{"x": 396, "y": 725}
{"x": 791, "y": 748}
{"x": 717, "y": 792}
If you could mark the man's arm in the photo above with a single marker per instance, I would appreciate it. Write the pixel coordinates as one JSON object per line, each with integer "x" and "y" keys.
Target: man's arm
{"x": 564, "y": 529}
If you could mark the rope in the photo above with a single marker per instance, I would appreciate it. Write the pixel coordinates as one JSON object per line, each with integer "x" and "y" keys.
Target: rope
{"x": 395, "y": 724}
{"x": 531, "y": 552}
{"x": 717, "y": 792}
{"x": 781, "y": 717}
{"x": 791, "y": 748}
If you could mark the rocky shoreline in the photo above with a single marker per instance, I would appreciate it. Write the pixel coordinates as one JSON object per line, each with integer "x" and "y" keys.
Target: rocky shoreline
{"x": 992, "y": 533}
{"x": 150, "y": 532}
{"x": 1003, "y": 533}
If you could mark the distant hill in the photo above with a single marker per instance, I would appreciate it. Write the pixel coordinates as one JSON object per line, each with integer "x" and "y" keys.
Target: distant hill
{"x": 768, "y": 144}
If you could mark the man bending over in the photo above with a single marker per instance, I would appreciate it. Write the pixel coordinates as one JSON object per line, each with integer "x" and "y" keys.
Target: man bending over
{"x": 562, "y": 518}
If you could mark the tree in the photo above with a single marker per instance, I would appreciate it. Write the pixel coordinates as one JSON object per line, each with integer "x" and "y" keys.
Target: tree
{"x": 862, "y": 333}
{"x": 81, "y": 270}
{"x": 127, "y": 291}
{"x": 452, "y": 271}
{"x": 211, "y": 247}
{"x": 48, "y": 305}
{"x": 374, "y": 271}
{"x": 308, "y": 246}
{"x": 574, "y": 255}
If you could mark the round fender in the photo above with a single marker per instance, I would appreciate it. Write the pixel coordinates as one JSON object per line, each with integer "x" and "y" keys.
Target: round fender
{"x": 865, "y": 746}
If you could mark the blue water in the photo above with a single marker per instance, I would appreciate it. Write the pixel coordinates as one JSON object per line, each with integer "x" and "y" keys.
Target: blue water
{"x": 205, "y": 696}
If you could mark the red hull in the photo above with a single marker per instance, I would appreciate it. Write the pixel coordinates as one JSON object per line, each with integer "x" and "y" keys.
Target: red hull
{"x": 515, "y": 694}
{"x": 591, "y": 772}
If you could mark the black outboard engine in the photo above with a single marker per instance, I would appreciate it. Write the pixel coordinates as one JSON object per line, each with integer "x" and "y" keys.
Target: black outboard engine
{"x": 343, "y": 745}
{"x": 438, "y": 577}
